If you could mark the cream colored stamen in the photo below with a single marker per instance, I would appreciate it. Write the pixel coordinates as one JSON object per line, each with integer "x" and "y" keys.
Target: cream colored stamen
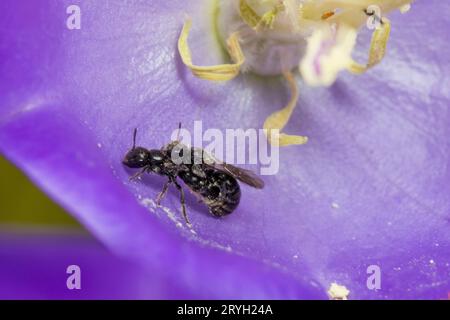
{"x": 223, "y": 72}
{"x": 278, "y": 120}
{"x": 377, "y": 51}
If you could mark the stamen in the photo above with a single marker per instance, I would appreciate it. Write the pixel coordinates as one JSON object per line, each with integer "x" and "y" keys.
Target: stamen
{"x": 268, "y": 19}
{"x": 318, "y": 36}
{"x": 249, "y": 15}
{"x": 278, "y": 120}
{"x": 377, "y": 51}
{"x": 251, "y": 18}
{"x": 223, "y": 72}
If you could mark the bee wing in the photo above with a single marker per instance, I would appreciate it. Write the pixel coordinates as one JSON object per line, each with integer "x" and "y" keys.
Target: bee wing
{"x": 246, "y": 176}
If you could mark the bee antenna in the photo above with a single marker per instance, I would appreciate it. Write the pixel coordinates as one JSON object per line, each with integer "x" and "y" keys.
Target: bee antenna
{"x": 179, "y": 131}
{"x": 134, "y": 138}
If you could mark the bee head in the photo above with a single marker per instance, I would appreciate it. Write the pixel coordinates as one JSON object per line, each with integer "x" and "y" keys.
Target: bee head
{"x": 137, "y": 157}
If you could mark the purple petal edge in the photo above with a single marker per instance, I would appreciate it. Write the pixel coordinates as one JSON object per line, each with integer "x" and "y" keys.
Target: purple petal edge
{"x": 61, "y": 146}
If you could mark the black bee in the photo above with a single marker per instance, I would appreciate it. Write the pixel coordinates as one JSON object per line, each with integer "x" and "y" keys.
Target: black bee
{"x": 214, "y": 182}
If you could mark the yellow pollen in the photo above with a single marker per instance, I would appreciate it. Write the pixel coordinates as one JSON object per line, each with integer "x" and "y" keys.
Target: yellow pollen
{"x": 327, "y": 15}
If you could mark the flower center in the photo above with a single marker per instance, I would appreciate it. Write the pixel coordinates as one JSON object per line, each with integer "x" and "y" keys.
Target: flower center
{"x": 272, "y": 37}
{"x": 269, "y": 33}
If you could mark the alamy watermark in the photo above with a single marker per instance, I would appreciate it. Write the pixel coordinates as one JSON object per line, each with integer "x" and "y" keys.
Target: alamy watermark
{"x": 73, "y": 21}
{"x": 375, "y": 19}
{"x": 374, "y": 280}
{"x": 233, "y": 146}
{"x": 73, "y": 281}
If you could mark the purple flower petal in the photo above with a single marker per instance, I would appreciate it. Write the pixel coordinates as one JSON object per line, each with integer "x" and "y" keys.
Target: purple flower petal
{"x": 34, "y": 266}
{"x": 370, "y": 188}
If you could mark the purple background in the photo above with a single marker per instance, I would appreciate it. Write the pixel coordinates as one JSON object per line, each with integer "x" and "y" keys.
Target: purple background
{"x": 378, "y": 148}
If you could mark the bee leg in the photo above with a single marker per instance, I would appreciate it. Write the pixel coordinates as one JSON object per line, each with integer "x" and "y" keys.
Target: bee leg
{"x": 138, "y": 174}
{"x": 163, "y": 192}
{"x": 183, "y": 202}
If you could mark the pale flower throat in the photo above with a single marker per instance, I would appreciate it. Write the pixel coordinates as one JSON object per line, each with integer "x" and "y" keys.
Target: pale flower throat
{"x": 271, "y": 45}
{"x": 275, "y": 37}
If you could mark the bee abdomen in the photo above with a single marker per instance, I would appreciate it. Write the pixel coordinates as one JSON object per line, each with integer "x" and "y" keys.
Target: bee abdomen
{"x": 219, "y": 190}
{"x": 223, "y": 194}
{"x": 225, "y": 205}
